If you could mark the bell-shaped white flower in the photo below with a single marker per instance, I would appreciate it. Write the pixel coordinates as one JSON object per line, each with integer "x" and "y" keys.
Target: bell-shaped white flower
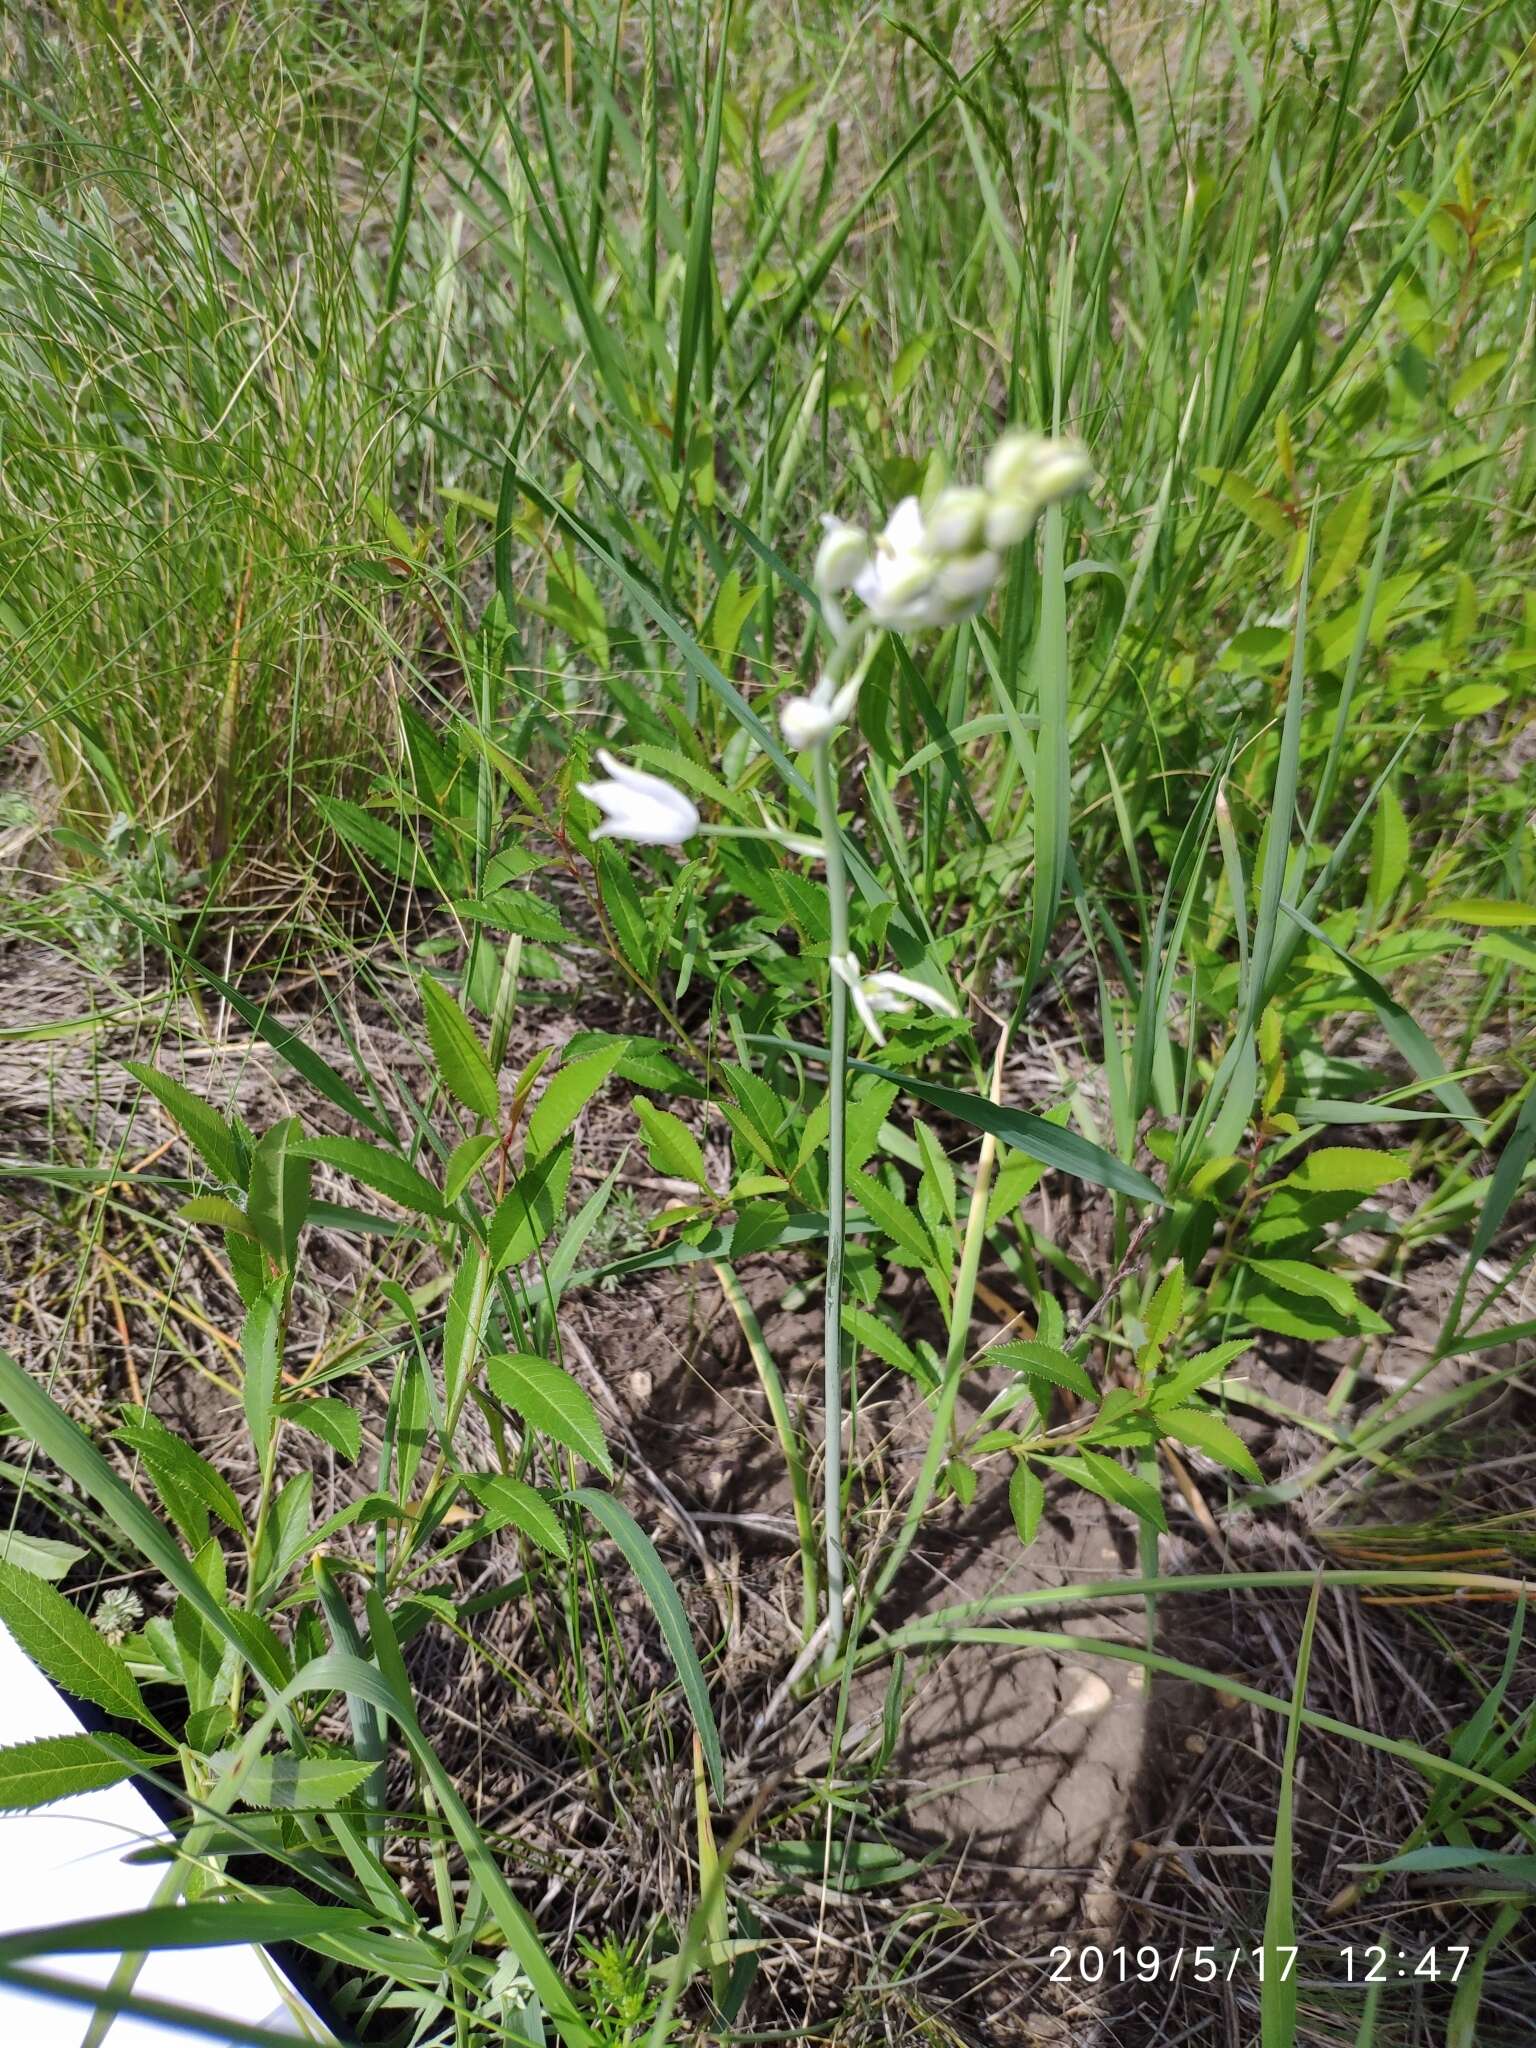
{"x": 639, "y": 807}
{"x": 885, "y": 994}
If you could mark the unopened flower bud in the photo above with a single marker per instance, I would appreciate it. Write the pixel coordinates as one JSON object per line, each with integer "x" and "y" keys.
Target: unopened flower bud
{"x": 1010, "y": 468}
{"x": 844, "y": 551}
{"x": 1009, "y": 520}
{"x": 954, "y": 524}
{"x": 1025, "y": 465}
{"x": 806, "y": 723}
{"x": 967, "y": 579}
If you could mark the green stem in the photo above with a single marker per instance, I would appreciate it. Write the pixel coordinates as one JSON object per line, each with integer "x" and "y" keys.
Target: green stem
{"x": 837, "y": 1083}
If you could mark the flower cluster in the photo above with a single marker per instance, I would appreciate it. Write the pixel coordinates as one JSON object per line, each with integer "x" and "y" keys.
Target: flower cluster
{"x": 929, "y": 566}
{"x": 934, "y": 564}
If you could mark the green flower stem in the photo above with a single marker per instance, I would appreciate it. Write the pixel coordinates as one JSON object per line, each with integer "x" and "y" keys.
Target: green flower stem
{"x": 837, "y": 1082}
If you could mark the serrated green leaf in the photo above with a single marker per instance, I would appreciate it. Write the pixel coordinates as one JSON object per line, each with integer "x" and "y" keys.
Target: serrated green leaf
{"x": 1297, "y": 1276}
{"x": 377, "y": 1168}
{"x": 295, "y": 1784}
{"x": 1028, "y": 1355}
{"x": 328, "y": 1418}
{"x": 879, "y": 1338}
{"x": 530, "y": 1209}
{"x": 1483, "y": 910}
{"x": 1204, "y": 1429}
{"x": 469, "y": 1303}
{"x": 1196, "y": 1372}
{"x": 645, "y": 1562}
{"x": 1166, "y": 1308}
{"x": 1026, "y": 1501}
{"x": 1337, "y": 1169}
{"x": 1390, "y": 845}
{"x": 519, "y": 912}
{"x": 211, "y": 1135}
{"x": 548, "y": 1398}
{"x": 672, "y": 1147}
{"x": 277, "y": 1200}
{"x": 1343, "y": 538}
{"x": 624, "y": 907}
{"x": 369, "y": 835}
{"x": 1112, "y": 1482}
{"x": 173, "y": 1464}
{"x": 54, "y": 1767}
{"x": 1266, "y": 513}
{"x": 642, "y": 1061}
{"x": 218, "y": 1210}
{"x": 461, "y": 1061}
{"x": 566, "y": 1094}
{"x": 259, "y": 1344}
{"x": 61, "y": 1642}
{"x": 892, "y": 1217}
{"x": 509, "y": 1502}
{"x": 462, "y": 1162}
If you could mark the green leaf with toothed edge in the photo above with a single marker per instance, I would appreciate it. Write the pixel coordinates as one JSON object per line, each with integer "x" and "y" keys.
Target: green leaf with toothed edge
{"x": 547, "y": 1397}
{"x": 1108, "y": 1478}
{"x": 508, "y": 1502}
{"x": 330, "y": 1419}
{"x": 211, "y": 1135}
{"x": 461, "y": 1060}
{"x": 34, "y": 1774}
{"x": 377, "y": 1168}
{"x": 61, "y": 1642}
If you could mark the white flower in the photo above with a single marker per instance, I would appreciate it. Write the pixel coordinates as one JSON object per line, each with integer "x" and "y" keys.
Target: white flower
{"x": 897, "y": 582}
{"x": 810, "y": 721}
{"x": 930, "y": 571}
{"x": 639, "y": 807}
{"x": 966, "y": 579}
{"x": 884, "y": 994}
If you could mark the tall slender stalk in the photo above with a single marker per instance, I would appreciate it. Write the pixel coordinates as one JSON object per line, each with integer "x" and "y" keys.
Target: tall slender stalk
{"x": 825, "y": 783}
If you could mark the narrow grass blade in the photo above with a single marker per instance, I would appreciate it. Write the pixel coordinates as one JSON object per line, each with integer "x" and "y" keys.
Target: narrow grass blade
{"x": 644, "y": 1561}
{"x": 1277, "y": 1995}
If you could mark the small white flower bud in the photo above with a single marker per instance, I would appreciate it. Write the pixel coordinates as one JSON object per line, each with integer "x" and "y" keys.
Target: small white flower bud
{"x": 806, "y": 723}
{"x": 967, "y": 579}
{"x": 1009, "y": 520}
{"x": 953, "y": 525}
{"x": 1063, "y": 468}
{"x": 1025, "y": 465}
{"x": 1010, "y": 470}
{"x": 844, "y": 551}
